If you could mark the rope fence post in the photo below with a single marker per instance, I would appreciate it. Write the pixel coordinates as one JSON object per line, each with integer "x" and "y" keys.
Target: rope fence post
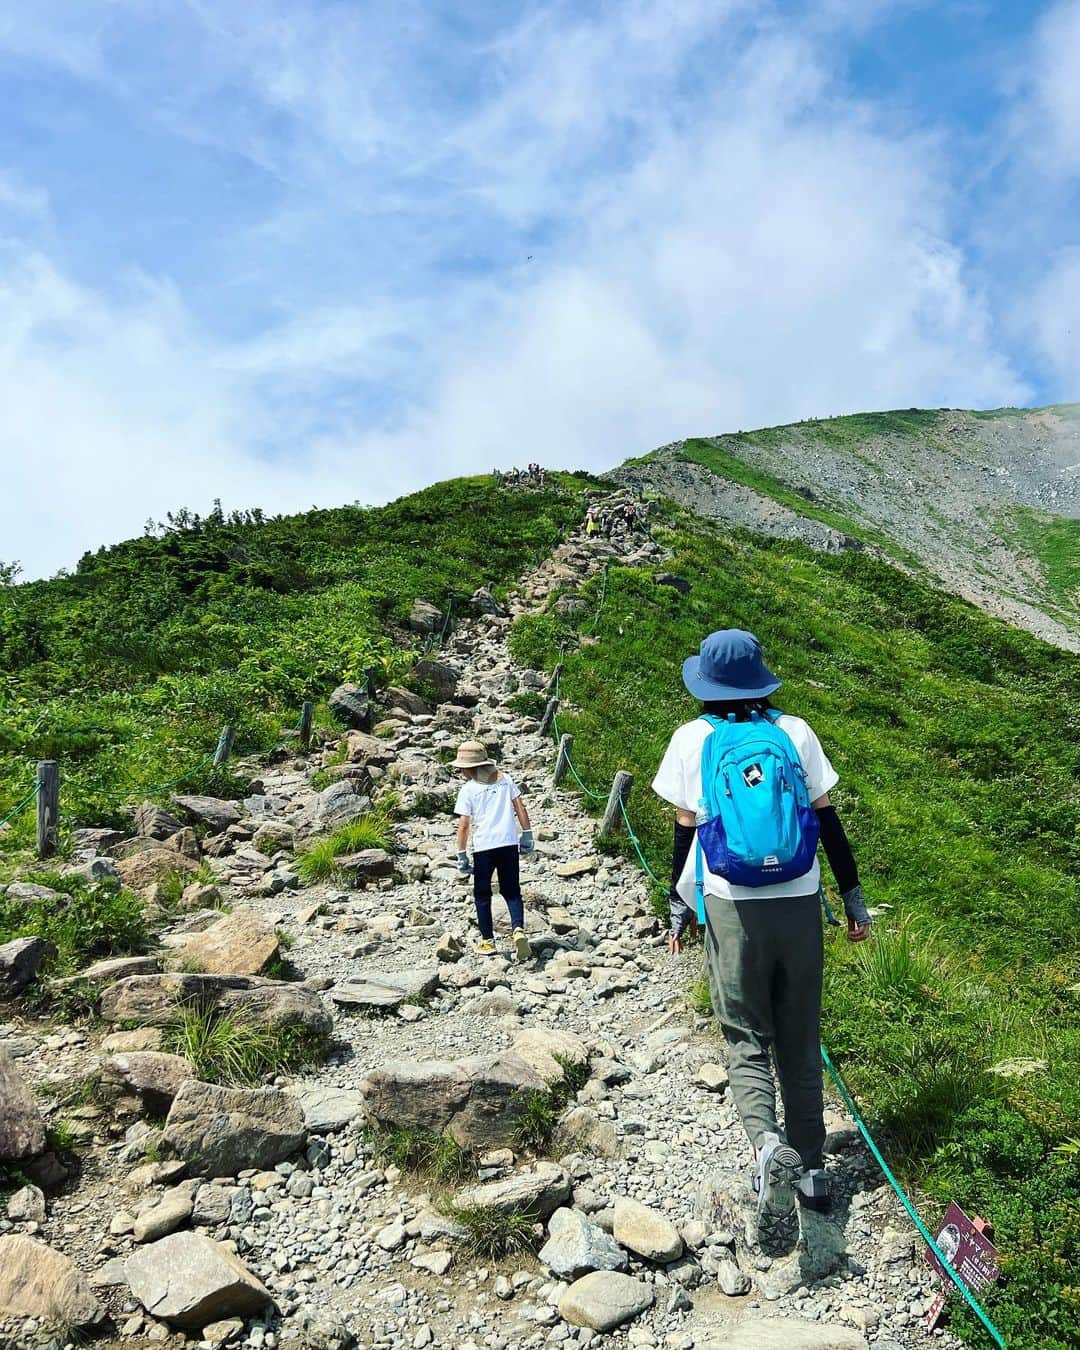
{"x": 562, "y": 760}
{"x": 48, "y": 807}
{"x": 224, "y": 746}
{"x": 549, "y": 716}
{"x": 617, "y": 799}
{"x": 307, "y": 712}
{"x": 556, "y": 676}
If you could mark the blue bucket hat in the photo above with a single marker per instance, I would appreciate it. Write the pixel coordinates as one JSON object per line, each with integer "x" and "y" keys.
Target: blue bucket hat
{"x": 729, "y": 665}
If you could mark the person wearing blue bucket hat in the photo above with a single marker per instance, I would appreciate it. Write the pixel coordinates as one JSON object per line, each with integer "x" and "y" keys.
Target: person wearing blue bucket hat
{"x": 761, "y": 914}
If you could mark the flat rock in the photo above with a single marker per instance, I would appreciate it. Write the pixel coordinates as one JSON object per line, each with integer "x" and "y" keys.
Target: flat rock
{"x": 22, "y": 1129}
{"x": 173, "y": 1209}
{"x": 213, "y": 812}
{"x": 153, "y": 1076}
{"x": 478, "y": 1101}
{"x": 535, "y": 1191}
{"x": 242, "y": 943}
{"x": 154, "y": 822}
{"x": 29, "y": 891}
{"x": 386, "y": 991}
{"x": 152, "y": 1000}
{"x": 604, "y": 1300}
{"x": 149, "y": 865}
{"x": 112, "y": 968}
{"x": 576, "y": 1246}
{"x": 27, "y": 1205}
{"x": 340, "y": 803}
{"x": 582, "y": 1131}
{"x": 644, "y": 1231}
{"x": 326, "y": 1108}
{"x": 369, "y": 864}
{"x": 712, "y": 1077}
{"x": 219, "y": 1131}
{"x": 578, "y": 867}
{"x": 783, "y": 1333}
{"x": 36, "y": 1281}
{"x": 189, "y": 1281}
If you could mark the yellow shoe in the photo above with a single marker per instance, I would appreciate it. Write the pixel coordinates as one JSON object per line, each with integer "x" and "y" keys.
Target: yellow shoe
{"x": 485, "y": 947}
{"x": 522, "y": 950}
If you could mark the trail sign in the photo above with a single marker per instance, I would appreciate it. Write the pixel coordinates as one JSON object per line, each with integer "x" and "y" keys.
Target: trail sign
{"x": 966, "y": 1245}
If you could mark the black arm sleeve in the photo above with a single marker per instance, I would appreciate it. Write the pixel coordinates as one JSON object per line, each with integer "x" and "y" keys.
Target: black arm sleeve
{"x": 837, "y": 849}
{"x": 684, "y": 838}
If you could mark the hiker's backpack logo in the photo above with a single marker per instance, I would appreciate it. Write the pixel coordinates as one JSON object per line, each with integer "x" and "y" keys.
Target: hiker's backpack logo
{"x": 753, "y": 774}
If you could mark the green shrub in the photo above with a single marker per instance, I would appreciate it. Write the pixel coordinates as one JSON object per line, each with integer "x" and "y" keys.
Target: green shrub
{"x": 92, "y": 919}
{"x": 318, "y": 862}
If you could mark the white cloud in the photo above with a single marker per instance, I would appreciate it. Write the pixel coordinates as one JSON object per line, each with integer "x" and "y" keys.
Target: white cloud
{"x": 1054, "y": 316}
{"x": 726, "y": 239}
{"x": 1054, "y": 125}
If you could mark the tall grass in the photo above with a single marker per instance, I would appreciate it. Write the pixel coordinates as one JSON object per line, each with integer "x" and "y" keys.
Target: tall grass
{"x": 225, "y": 1048}
{"x": 318, "y": 862}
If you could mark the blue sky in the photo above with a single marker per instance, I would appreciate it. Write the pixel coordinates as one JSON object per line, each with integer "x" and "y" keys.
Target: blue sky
{"x": 296, "y": 253}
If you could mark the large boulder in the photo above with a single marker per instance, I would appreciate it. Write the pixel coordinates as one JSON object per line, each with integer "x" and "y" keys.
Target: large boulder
{"x": 644, "y": 1231}
{"x": 340, "y": 803}
{"x": 386, "y": 992}
{"x": 352, "y": 705}
{"x": 190, "y": 1281}
{"x": 149, "y": 865}
{"x": 326, "y": 1108}
{"x": 576, "y": 1245}
{"x": 213, "y": 812}
{"x": 370, "y": 864}
{"x": 219, "y": 1131}
{"x": 154, "y": 822}
{"x": 22, "y": 1129}
{"x": 424, "y": 617}
{"x": 153, "y": 1076}
{"x": 20, "y": 961}
{"x": 153, "y": 1000}
{"x": 543, "y": 1047}
{"x": 242, "y": 943}
{"x": 36, "y": 1281}
{"x": 405, "y": 701}
{"x": 478, "y": 1101}
{"x": 360, "y": 748}
{"x": 536, "y": 1191}
{"x": 604, "y": 1300}
{"x": 29, "y": 891}
{"x": 441, "y": 677}
{"x": 485, "y": 603}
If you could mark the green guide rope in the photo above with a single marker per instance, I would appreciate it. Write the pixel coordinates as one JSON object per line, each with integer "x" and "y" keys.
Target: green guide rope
{"x": 21, "y": 806}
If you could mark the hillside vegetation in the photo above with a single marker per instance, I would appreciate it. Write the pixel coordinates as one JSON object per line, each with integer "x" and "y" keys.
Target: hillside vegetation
{"x": 954, "y": 736}
{"x": 126, "y": 670}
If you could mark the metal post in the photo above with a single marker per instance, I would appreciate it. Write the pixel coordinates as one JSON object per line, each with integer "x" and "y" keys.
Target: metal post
{"x": 562, "y": 762}
{"x": 307, "y": 711}
{"x": 549, "y": 716}
{"x": 48, "y": 807}
{"x": 620, "y": 793}
{"x": 224, "y": 746}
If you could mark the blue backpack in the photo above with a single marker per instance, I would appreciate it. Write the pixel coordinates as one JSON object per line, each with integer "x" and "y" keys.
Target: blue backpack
{"x": 756, "y": 826}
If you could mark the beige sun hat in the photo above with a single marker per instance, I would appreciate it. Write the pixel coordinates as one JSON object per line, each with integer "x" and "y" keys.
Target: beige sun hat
{"x": 472, "y": 755}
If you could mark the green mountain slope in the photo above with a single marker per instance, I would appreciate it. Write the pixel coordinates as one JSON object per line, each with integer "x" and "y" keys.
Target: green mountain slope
{"x": 954, "y": 736}
{"x": 126, "y": 670}
{"x": 985, "y": 504}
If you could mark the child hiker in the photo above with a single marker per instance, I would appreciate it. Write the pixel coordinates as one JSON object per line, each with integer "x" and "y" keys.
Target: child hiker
{"x": 491, "y": 806}
{"x": 750, "y": 787}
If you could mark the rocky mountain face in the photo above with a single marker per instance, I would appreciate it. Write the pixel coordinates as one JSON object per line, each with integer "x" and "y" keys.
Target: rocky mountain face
{"x": 986, "y": 504}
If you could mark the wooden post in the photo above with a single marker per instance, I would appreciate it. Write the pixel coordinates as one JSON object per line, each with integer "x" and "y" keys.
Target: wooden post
{"x": 562, "y": 762}
{"x": 307, "y": 712}
{"x": 224, "y": 746}
{"x": 556, "y": 675}
{"x": 620, "y": 793}
{"x": 549, "y": 716}
{"x": 48, "y": 807}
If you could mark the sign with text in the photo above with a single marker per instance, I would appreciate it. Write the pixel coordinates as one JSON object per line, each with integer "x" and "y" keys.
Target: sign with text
{"x": 968, "y": 1250}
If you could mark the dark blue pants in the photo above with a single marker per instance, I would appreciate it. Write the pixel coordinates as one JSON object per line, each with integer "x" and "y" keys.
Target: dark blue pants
{"x": 504, "y": 861}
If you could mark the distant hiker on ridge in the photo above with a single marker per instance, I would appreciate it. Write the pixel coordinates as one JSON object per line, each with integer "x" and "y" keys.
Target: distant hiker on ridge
{"x": 750, "y": 789}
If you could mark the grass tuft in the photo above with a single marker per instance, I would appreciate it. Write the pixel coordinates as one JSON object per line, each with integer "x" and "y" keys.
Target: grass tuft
{"x": 318, "y": 862}
{"x": 224, "y": 1048}
{"x": 426, "y": 1152}
{"x": 491, "y": 1233}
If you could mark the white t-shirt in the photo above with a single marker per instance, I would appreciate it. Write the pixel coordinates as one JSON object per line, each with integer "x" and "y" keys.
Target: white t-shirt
{"x": 490, "y": 809}
{"x": 678, "y": 781}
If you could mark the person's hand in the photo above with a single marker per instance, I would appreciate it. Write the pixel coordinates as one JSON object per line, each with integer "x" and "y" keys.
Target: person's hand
{"x": 526, "y": 844}
{"x": 463, "y": 864}
{"x": 858, "y": 916}
{"x": 674, "y": 944}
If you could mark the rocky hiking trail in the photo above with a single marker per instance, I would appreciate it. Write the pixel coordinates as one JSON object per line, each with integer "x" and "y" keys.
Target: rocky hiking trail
{"x": 267, "y": 1217}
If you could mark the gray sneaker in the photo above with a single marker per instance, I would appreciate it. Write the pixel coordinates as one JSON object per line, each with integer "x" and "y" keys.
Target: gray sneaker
{"x": 776, "y": 1176}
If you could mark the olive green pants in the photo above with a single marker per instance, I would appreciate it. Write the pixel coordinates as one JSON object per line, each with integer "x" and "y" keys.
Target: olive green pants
{"x": 765, "y": 961}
